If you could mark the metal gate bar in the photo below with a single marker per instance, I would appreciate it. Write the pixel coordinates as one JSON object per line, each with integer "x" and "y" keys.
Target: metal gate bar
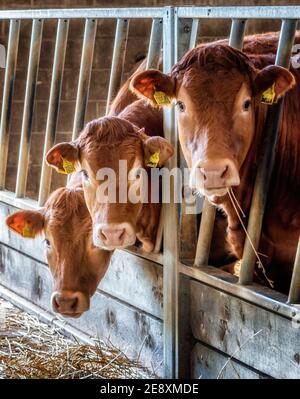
{"x": 170, "y": 255}
{"x": 155, "y": 44}
{"x": 34, "y": 58}
{"x": 53, "y": 108}
{"x": 84, "y": 75}
{"x": 294, "y": 294}
{"x": 194, "y": 33}
{"x": 237, "y": 33}
{"x": 186, "y": 31}
{"x": 266, "y": 163}
{"x": 117, "y": 60}
{"x": 246, "y": 12}
{"x": 8, "y": 91}
{"x": 205, "y": 234}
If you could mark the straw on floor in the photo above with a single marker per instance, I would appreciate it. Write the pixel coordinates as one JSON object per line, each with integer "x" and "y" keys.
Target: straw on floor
{"x": 32, "y": 349}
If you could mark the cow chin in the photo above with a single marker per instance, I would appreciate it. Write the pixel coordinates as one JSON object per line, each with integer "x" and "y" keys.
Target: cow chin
{"x": 129, "y": 243}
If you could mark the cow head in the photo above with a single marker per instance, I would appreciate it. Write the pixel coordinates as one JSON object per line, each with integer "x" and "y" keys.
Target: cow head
{"x": 77, "y": 266}
{"x": 218, "y": 93}
{"x": 113, "y": 156}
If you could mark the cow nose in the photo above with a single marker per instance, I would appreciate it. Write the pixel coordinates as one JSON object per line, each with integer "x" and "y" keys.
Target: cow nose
{"x": 111, "y": 236}
{"x": 214, "y": 177}
{"x": 69, "y": 303}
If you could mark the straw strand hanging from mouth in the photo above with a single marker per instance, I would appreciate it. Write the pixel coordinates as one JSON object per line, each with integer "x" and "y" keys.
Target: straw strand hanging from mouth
{"x": 237, "y": 207}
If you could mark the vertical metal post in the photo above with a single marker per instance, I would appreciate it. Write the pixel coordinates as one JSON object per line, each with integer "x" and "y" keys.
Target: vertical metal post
{"x": 84, "y": 75}
{"x": 294, "y": 294}
{"x": 170, "y": 256}
{"x": 188, "y": 230}
{"x": 194, "y": 34}
{"x": 266, "y": 163}
{"x": 185, "y": 38}
{"x": 155, "y": 44}
{"x": 33, "y": 65}
{"x": 237, "y": 33}
{"x": 118, "y": 59}
{"x": 153, "y": 57}
{"x": 9, "y": 80}
{"x": 205, "y": 234}
{"x": 53, "y": 108}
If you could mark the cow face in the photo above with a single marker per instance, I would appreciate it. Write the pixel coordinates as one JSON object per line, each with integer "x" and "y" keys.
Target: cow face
{"x": 218, "y": 93}
{"x": 77, "y": 266}
{"x": 112, "y": 155}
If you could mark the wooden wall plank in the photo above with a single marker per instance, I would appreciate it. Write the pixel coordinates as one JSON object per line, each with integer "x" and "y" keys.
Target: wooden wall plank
{"x": 259, "y": 338}
{"x": 210, "y": 364}
{"x": 135, "y": 280}
{"x": 125, "y": 326}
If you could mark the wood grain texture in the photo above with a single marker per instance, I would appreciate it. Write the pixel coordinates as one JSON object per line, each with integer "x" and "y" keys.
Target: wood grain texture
{"x": 127, "y": 327}
{"x": 210, "y": 364}
{"x": 259, "y": 338}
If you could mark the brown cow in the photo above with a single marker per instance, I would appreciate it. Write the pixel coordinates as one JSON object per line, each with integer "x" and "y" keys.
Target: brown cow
{"x": 102, "y": 144}
{"x": 219, "y": 94}
{"x": 77, "y": 266}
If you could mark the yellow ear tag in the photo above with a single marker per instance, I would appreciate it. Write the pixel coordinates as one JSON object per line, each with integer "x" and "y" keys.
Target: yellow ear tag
{"x": 268, "y": 96}
{"x": 68, "y": 167}
{"x": 161, "y": 98}
{"x": 153, "y": 160}
{"x": 27, "y": 232}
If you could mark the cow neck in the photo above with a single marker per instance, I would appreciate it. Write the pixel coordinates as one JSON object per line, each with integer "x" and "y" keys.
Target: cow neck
{"x": 143, "y": 115}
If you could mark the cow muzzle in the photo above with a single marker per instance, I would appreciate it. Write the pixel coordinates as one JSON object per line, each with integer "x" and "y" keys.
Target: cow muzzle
{"x": 70, "y": 303}
{"x": 113, "y": 236}
{"x": 215, "y": 177}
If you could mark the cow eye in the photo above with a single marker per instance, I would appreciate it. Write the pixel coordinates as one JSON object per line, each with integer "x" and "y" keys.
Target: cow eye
{"x": 85, "y": 174}
{"x": 246, "y": 105}
{"x": 47, "y": 243}
{"x": 180, "y": 105}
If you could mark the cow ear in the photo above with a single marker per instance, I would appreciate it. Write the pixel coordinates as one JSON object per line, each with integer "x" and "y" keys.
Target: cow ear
{"x": 26, "y": 223}
{"x": 272, "y": 83}
{"x": 157, "y": 151}
{"x": 63, "y": 157}
{"x": 154, "y": 86}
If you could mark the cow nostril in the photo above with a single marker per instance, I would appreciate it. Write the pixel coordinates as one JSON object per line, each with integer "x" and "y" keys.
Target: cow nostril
{"x": 122, "y": 234}
{"x": 55, "y": 303}
{"x": 202, "y": 170}
{"x": 74, "y": 304}
{"x": 112, "y": 235}
{"x": 224, "y": 171}
{"x": 102, "y": 235}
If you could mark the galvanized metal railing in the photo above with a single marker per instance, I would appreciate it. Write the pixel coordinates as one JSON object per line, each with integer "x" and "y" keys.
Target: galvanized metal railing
{"x": 63, "y": 17}
{"x": 177, "y": 28}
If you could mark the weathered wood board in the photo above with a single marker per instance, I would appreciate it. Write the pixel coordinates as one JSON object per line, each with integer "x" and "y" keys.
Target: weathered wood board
{"x": 126, "y": 326}
{"x": 259, "y": 338}
{"x": 207, "y": 363}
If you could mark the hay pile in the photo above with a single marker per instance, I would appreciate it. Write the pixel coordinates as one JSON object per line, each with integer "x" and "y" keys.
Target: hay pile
{"x": 32, "y": 349}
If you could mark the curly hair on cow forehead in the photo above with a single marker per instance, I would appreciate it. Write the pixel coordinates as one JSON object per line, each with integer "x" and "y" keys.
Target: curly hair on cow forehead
{"x": 107, "y": 130}
{"x": 65, "y": 203}
{"x": 212, "y": 57}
